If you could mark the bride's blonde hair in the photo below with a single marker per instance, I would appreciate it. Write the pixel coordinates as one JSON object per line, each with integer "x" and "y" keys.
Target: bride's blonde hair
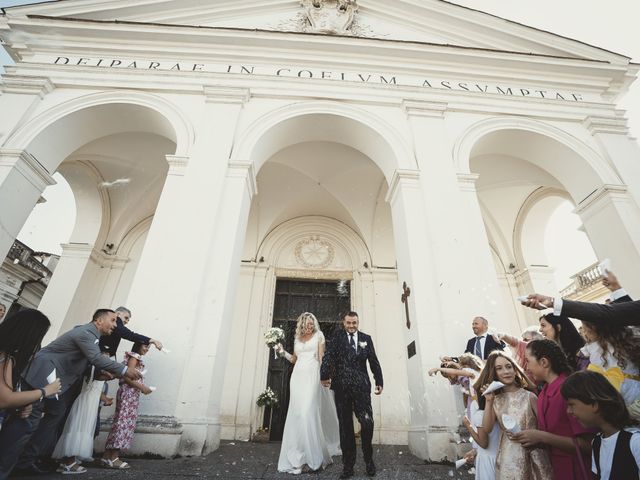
{"x": 302, "y": 319}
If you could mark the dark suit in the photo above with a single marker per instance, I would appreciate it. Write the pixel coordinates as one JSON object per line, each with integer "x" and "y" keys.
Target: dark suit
{"x": 617, "y": 313}
{"x": 622, "y": 299}
{"x": 489, "y": 346}
{"x": 110, "y": 343}
{"x": 347, "y": 369}
{"x": 70, "y": 355}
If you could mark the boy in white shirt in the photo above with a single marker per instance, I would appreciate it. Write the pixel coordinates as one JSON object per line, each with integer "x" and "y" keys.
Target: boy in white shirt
{"x": 597, "y": 404}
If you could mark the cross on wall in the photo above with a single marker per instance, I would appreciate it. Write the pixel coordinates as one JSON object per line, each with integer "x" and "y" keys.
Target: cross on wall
{"x": 406, "y": 291}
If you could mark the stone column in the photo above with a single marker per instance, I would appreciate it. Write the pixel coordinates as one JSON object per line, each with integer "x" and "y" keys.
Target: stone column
{"x": 76, "y": 286}
{"x": 611, "y": 219}
{"x": 444, "y": 255}
{"x": 622, "y": 151}
{"x": 200, "y": 389}
{"x": 167, "y": 296}
{"x": 466, "y": 276}
{"x": 22, "y": 181}
{"x": 58, "y": 298}
{"x": 433, "y": 413}
{"x": 245, "y": 359}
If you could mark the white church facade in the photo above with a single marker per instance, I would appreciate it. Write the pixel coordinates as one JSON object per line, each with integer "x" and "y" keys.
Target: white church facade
{"x": 237, "y": 162}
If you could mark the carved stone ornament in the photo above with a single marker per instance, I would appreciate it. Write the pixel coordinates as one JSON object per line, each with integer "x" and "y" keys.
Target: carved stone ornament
{"x": 330, "y": 16}
{"x": 314, "y": 252}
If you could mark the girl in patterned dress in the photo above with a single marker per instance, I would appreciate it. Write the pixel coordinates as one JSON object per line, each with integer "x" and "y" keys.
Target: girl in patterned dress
{"x": 126, "y": 415}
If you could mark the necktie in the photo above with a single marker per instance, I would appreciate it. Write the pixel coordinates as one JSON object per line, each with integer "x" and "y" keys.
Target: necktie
{"x": 478, "y": 350}
{"x": 352, "y": 342}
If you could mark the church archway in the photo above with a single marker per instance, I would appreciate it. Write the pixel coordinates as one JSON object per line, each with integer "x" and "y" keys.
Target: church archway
{"x": 317, "y": 185}
{"x": 113, "y": 154}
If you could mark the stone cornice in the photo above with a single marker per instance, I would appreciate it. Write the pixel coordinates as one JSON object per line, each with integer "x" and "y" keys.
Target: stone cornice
{"x": 422, "y": 108}
{"x": 177, "y": 164}
{"x": 88, "y": 251}
{"x": 616, "y": 125}
{"x": 76, "y": 250}
{"x": 576, "y": 73}
{"x": 28, "y": 166}
{"x": 313, "y": 273}
{"x": 109, "y": 261}
{"x": 467, "y": 181}
{"x": 12, "y": 83}
{"x": 222, "y": 94}
{"x": 244, "y": 169}
{"x": 401, "y": 178}
{"x": 594, "y": 201}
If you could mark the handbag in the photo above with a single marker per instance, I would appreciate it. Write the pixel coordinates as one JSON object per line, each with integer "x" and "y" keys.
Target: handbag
{"x": 583, "y": 469}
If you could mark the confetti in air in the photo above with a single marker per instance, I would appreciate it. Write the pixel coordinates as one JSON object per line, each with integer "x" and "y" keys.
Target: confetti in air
{"x": 116, "y": 183}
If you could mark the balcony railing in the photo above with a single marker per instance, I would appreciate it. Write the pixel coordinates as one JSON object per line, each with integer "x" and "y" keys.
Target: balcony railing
{"x": 19, "y": 253}
{"x": 582, "y": 282}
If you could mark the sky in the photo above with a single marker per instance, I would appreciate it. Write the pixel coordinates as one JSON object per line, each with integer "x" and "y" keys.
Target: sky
{"x": 611, "y": 25}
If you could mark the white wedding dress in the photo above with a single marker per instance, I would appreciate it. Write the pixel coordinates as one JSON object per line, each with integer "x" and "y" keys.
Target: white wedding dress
{"x": 311, "y": 433}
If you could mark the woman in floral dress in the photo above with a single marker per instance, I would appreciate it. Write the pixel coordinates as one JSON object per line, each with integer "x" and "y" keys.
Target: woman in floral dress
{"x": 126, "y": 415}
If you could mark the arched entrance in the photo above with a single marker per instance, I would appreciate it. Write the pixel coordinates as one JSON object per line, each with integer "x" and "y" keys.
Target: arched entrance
{"x": 320, "y": 220}
{"x": 526, "y": 168}
{"x": 113, "y": 155}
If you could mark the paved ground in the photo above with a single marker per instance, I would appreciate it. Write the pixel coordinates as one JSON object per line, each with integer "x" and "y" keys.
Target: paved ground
{"x": 244, "y": 460}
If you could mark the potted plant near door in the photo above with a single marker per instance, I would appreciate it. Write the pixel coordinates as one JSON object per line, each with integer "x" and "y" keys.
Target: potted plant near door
{"x": 268, "y": 398}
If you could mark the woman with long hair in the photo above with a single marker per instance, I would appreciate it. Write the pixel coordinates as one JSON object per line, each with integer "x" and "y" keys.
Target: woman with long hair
{"x": 20, "y": 338}
{"x": 513, "y": 408}
{"x": 561, "y": 330}
{"x": 311, "y": 435}
{"x": 569, "y": 443}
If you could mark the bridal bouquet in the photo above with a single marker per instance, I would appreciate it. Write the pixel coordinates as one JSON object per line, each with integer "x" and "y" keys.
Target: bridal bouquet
{"x": 267, "y": 398}
{"x": 273, "y": 337}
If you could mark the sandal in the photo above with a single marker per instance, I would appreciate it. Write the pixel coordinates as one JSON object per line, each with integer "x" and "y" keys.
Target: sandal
{"x": 73, "y": 469}
{"x": 116, "y": 464}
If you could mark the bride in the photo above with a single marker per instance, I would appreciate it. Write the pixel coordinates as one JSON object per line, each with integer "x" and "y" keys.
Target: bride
{"x": 311, "y": 434}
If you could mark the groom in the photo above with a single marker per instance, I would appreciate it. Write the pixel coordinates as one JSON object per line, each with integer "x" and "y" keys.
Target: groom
{"x": 344, "y": 369}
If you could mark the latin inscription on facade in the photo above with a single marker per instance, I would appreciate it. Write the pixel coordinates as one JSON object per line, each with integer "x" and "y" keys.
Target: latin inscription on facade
{"x": 388, "y": 79}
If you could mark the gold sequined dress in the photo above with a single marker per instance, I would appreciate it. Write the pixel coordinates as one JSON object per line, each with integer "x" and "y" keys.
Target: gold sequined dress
{"x": 514, "y": 462}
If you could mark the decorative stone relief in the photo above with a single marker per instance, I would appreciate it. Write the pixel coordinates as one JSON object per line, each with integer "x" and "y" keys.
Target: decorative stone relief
{"x": 336, "y": 17}
{"x": 330, "y": 16}
{"x": 314, "y": 252}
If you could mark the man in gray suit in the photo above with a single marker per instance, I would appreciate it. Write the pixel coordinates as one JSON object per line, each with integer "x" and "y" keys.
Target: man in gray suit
{"x": 67, "y": 358}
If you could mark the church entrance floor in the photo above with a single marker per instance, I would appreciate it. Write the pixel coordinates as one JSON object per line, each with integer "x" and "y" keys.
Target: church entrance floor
{"x": 246, "y": 460}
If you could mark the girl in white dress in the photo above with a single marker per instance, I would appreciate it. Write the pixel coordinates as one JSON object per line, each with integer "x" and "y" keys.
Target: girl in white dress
{"x": 311, "y": 433}
{"x": 485, "y": 457}
{"x": 76, "y": 441}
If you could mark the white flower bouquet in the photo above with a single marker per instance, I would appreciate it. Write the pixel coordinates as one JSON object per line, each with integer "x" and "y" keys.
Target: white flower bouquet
{"x": 273, "y": 337}
{"x": 267, "y": 398}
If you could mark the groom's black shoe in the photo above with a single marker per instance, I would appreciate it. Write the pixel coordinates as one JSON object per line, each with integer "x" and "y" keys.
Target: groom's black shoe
{"x": 371, "y": 469}
{"x": 346, "y": 474}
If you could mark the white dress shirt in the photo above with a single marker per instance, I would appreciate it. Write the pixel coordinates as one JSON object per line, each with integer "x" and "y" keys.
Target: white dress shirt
{"x": 482, "y": 339}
